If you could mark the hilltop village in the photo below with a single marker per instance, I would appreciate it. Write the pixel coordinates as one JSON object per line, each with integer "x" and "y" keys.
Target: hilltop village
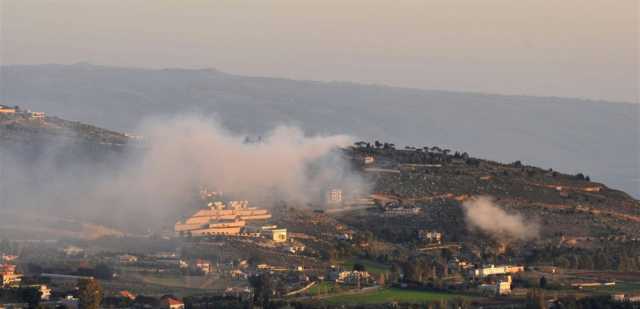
{"x": 407, "y": 242}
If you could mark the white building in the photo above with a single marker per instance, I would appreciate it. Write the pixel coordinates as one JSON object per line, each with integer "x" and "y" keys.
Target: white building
{"x": 492, "y": 270}
{"x": 352, "y": 277}
{"x": 73, "y": 250}
{"x": 430, "y": 236}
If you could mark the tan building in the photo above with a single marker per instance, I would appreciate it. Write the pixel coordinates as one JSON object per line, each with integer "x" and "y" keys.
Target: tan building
{"x": 220, "y": 219}
{"x": 277, "y": 235}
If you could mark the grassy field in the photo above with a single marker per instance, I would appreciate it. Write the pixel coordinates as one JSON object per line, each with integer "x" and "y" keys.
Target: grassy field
{"x": 322, "y": 288}
{"x": 371, "y": 266}
{"x": 390, "y": 295}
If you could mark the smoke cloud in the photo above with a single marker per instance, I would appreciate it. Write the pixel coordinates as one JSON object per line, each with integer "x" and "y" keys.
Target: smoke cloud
{"x": 482, "y": 213}
{"x": 151, "y": 184}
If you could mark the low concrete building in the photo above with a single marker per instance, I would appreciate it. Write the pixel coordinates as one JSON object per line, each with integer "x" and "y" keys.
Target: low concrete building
{"x": 293, "y": 249}
{"x": 430, "y": 236}
{"x": 277, "y": 235}
{"x": 203, "y": 265}
{"x": 496, "y": 270}
{"x": 352, "y": 277}
{"x": 500, "y": 288}
{"x": 334, "y": 196}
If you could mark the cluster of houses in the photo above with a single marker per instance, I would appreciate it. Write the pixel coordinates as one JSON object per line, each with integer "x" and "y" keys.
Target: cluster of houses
{"x": 8, "y": 110}
{"x": 8, "y": 275}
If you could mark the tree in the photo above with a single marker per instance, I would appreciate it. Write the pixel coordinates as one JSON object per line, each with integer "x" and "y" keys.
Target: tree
{"x": 262, "y": 288}
{"x": 535, "y": 300}
{"x": 89, "y": 293}
{"x": 5, "y": 246}
{"x": 585, "y": 262}
{"x": 30, "y": 296}
{"x": 358, "y": 267}
{"x": 543, "y": 282}
{"x": 103, "y": 271}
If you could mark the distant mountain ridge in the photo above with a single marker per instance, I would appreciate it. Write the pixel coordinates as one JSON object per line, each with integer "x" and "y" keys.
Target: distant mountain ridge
{"x": 600, "y": 139}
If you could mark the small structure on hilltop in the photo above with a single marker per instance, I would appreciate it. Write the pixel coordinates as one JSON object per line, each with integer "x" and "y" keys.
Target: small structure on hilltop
{"x": 16, "y": 110}
{"x": 36, "y": 115}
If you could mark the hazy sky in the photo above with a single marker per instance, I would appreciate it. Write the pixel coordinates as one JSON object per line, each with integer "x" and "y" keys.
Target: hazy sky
{"x": 574, "y": 48}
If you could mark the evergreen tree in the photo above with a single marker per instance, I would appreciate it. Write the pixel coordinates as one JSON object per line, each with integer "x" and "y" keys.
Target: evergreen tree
{"x": 89, "y": 293}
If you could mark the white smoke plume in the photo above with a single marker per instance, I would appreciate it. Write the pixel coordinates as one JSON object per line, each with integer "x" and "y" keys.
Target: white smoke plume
{"x": 157, "y": 181}
{"x": 482, "y": 213}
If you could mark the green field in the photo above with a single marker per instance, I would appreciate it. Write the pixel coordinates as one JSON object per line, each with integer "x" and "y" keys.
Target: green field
{"x": 370, "y": 266}
{"x": 322, "y": 288}
{"x": 391, "y": 295}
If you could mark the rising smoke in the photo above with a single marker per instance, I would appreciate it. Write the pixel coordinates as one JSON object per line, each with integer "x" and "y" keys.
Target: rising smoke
{"x": 483, "y": 214}
{"x": 157, "y": 181}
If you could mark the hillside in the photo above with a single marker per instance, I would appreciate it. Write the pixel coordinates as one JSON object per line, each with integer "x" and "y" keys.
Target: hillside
{"x": 569, "y": 205}
{"x": 432, "y": 178}
{"x": 565, "y": 134}
{"x": 24, "y": 128}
